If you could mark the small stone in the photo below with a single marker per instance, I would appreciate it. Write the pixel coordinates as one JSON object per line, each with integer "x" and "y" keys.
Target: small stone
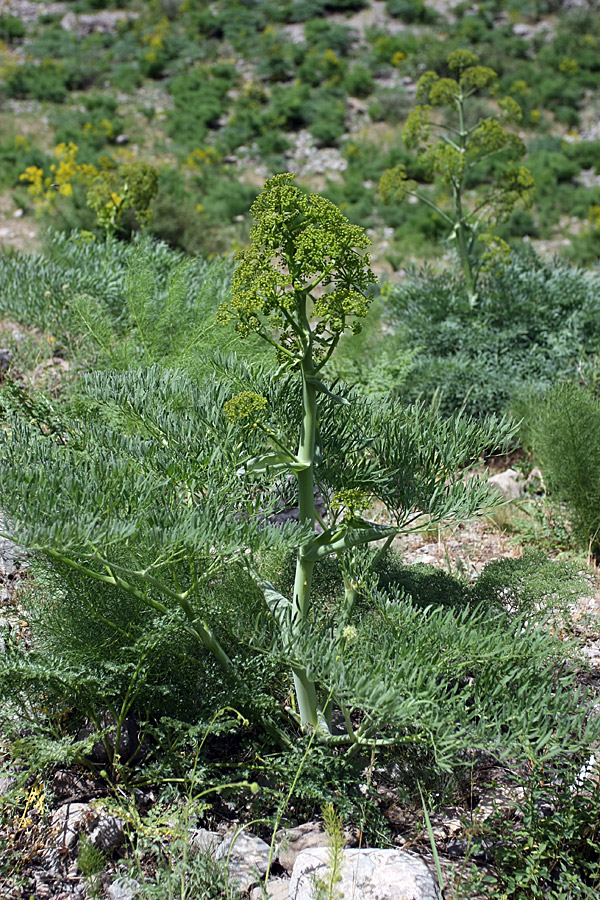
{"x": 5, "y": 360}
{"x": 7, "y": 784}
{"x": 67, "y": 821}
{"x": 128, "y": 739}
{"x": 108, "y": 833}
{"x": 68, "y": 783}
{"x": 51, "y": 860}
{"x": 292, "y": 841}
{"x": 18, "y": 213}
{"x": 123, "y": 889}
{"x": 203, "y": 841}
{"x": 509, "y": 483}
{"x": 502, "y": 798}
{"x": 277, "y": 889}
{"x": 247, "y": 857}
{"x": 69, "y": 22}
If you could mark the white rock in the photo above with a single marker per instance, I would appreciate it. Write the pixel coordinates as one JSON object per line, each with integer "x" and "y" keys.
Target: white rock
{"x": 69, "y": 21}
{"x": 292, "y": 841}
{"x": 366, "y": 875}
{"x": 247, "y": 858}
{"x": 66, "y": 823}
{"x": 7, "y": 783}
{"x": 277, "y": 889}
{"x": 203, "y": 841}
{"x": 123, "y": 889}
{"x": 510, "y": 484}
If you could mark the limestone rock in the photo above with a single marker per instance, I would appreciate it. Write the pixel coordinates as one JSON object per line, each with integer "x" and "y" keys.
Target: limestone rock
{"x": 107, "y": 834}
{"x": 67, "y": 822}
{"x": 203, "y": 841}
{"x": 277, "y": 889}
{"x": 7, "y": 783}
{"x": 123, "y": 889}
{"x": 5, "y": 360}
{"x": 509, "y": 483}
{"x": 292, "y": 841}
{"x": 247, "y": 857}
{"x": 366, "y": 875}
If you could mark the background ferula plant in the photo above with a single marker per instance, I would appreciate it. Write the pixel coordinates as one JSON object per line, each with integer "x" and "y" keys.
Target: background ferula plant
{"x": 457, "y": 152}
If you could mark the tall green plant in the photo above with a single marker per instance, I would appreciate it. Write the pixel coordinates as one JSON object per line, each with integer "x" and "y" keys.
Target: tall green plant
{"x": 302, "y": 245}
{"x": 159, "y": 485}
{"x": 562, "y": 427}
{"x": 454, "y": 154}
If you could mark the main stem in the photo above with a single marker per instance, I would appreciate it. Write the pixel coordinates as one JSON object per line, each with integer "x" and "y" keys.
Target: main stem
{"x": 462, "y": 230}
{"x": 306, "y": 693}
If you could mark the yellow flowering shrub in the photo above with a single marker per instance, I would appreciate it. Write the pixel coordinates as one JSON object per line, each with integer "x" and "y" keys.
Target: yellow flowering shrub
{"x": 112, "y": 187}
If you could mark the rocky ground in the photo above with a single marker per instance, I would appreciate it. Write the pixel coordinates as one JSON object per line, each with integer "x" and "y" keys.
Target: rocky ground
{"x": 77, "y": 809}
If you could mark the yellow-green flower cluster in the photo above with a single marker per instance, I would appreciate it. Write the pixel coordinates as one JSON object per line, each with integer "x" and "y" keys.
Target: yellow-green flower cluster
{"x": 351, "y": 501}
{"x": 247, "y": 405}
{"x": 301, "y": 243}
{"x": 395, "y": 185}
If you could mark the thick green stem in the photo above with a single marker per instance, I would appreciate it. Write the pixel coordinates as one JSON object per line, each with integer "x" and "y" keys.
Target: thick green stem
{"x": 462, "y": 229}
{"x": 306, "y": 693}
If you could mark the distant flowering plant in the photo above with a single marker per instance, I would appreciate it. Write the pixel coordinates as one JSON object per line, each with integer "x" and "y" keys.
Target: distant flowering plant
{"x": 112, "y": 188}
{"x": 453, "y": 155}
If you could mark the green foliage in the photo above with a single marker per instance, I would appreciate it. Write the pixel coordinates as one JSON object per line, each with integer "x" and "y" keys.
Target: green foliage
{"x": 551, "y": 851}
{"x": 411, "y": 11}
{"x": 11, "y": 28}
{"x": 37, "y": 290}
{"x": 200, "y": 101}
{"x": 324, "y": 888}
{"x": 46, "y": 81}
{"x": 359, "y": 81}
{"x": 90, "y": 860}
{"x": 128, "y": 189}
{"x": 375, "y": 361}
{"x": 453, "y": 158}
{"x": 533, "y": 323}
{"x": 15, "y": 155}
{"x": 563, "y": 430}
{"x": 164, "y": 592}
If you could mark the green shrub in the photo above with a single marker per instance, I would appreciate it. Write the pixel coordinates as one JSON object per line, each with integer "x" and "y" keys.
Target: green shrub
{"x": 15, "y": 155}
{"x": 322, "y": 34}
{"x": 551, "y": 850}
{"x": 586, "y": 154}
{"x": 200, "y": 101}
{"x": 562, "y": 428}
{"x": 48, "y": 81}
{"x": 358, "y": 81}
{"x": 126, "y": 77}
{"x": 411, "y": 11}
{"x": 11, "y": 28}
{"x": 533, "y": 323}
{"x": 327, "y": 117}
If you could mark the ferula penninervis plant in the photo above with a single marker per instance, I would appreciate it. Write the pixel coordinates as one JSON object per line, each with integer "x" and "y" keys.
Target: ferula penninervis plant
{"x": 158, "y": 485}
{"x": 304, "y": 281}
{"x": 452, "y": 148}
